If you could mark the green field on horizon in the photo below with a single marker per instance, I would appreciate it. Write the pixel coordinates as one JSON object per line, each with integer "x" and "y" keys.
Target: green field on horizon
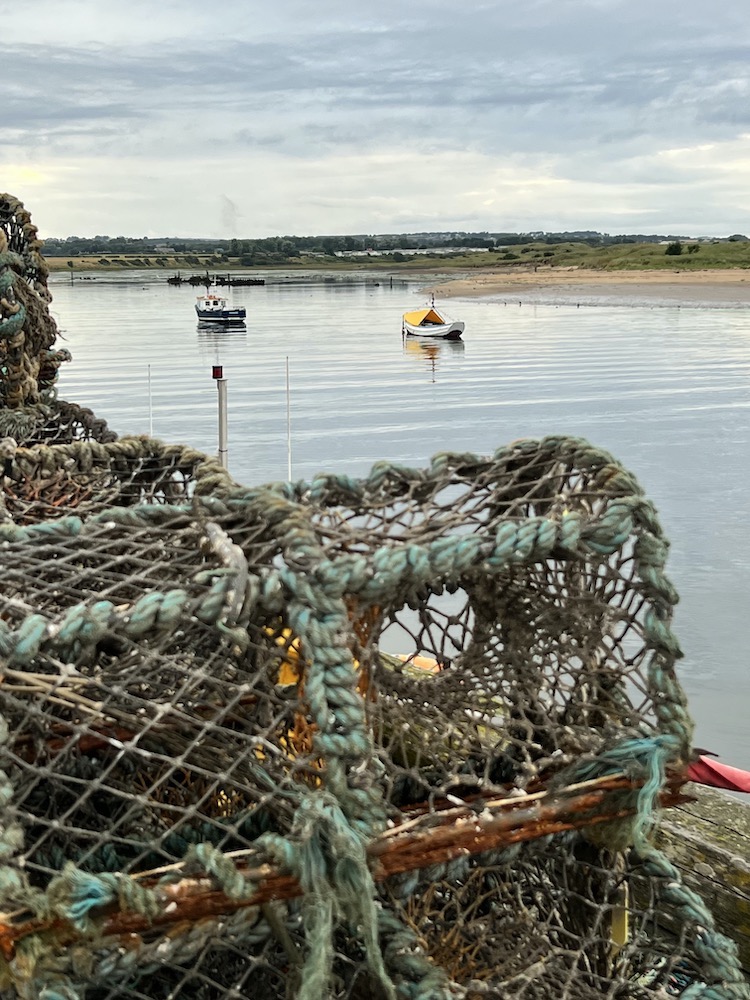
{"x": 616, "y": 257}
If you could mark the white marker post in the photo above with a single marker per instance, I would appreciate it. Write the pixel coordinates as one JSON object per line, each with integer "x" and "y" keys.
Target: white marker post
{"x": 221, "y": 384}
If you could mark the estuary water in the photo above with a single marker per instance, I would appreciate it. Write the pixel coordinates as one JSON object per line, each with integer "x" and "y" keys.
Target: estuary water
{"x": 665, "y": 388}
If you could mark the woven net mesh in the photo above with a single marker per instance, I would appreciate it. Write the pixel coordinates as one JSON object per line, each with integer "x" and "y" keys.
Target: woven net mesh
{"x": 402, "y": 736}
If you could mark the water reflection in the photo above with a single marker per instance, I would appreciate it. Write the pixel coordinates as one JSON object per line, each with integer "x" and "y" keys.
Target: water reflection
{"x": 217, "y": 331}
{"x": 213, "y": 339}
{"x": 432, "y": 352}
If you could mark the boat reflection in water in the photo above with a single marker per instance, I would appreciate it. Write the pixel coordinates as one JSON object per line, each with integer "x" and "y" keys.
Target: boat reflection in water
{"x": 212, "y": 337}
{"x": 433, "y": 352}
{"x": 220, "y": 331}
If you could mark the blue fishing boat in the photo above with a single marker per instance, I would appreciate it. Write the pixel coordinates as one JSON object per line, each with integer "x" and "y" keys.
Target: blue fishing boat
{"x": 214, "y": 309}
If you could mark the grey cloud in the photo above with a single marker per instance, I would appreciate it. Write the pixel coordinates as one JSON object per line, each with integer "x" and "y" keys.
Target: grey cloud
{"x": 566, "y": 86}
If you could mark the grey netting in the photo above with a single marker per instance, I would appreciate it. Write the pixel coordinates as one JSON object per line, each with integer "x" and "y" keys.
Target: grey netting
{"x": 405, "y": 736}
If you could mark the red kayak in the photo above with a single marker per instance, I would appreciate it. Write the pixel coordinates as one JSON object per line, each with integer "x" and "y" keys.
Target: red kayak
{"x": 706, "y": 771}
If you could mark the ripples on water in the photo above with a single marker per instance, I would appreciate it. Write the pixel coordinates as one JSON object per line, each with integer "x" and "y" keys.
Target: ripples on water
{"x": 665, "y": 389}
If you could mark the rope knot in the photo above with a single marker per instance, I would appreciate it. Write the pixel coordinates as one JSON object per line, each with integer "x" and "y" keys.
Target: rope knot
{"x": 643, "y": 759}
{"x": 327, "y": 856}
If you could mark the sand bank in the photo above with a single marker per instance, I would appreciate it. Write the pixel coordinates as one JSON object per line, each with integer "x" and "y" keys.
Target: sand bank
{"x": 718, "y": 287}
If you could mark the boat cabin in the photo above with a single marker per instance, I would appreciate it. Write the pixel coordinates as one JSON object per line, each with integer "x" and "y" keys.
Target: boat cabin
{"x": 212, "y": 303}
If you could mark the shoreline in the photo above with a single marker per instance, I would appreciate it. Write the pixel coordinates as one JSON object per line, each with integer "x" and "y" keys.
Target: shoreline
{"x": 729, "y": 287}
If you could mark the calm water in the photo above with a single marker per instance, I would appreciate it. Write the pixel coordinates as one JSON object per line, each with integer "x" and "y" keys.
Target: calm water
{"x": 666, "y": 389}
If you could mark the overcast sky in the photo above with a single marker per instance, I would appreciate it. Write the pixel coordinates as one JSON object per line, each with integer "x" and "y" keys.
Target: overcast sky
{"x": 250, "y": 118}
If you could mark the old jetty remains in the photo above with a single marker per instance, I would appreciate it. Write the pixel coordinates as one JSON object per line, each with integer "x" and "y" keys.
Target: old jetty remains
{"x": 217, "y": 279}
{"x": 217, "y": 780}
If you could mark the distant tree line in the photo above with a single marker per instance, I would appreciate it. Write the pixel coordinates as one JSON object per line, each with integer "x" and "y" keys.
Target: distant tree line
{"x": 269, "y": 250}
{"x": 277, "y": 249}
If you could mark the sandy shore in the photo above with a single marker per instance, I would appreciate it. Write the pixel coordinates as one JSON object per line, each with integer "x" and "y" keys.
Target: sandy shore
{"x": 718, "y": 287}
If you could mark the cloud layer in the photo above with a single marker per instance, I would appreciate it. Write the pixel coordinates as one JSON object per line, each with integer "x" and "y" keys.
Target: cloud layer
{"x": 143, "y": 119}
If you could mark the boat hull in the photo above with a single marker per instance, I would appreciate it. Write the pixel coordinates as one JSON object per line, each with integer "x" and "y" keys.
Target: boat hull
{"x": 224, "y": 316}
{"x": 444, "y": 331}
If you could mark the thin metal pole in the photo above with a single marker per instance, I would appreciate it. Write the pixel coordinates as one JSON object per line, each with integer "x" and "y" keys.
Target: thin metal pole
{"x": 150, "y": 407}
{"x": 288, "y": 427}
{"x": 221, "y": 385}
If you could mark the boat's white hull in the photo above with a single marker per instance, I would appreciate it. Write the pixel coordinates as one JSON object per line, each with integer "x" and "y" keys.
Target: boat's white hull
{"x": 447, "y": 331}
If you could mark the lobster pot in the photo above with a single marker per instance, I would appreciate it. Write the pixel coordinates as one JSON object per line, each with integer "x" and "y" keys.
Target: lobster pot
{"x": 47, "y": 482}
{"x": 30, "y": 412}
{"x": 407, "y": 735}
{"x": 54, "y": 423}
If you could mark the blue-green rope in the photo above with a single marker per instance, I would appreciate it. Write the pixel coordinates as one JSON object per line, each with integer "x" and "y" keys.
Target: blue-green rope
{"x": 646, "y": 760}
{"x": 327, "y": 856}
